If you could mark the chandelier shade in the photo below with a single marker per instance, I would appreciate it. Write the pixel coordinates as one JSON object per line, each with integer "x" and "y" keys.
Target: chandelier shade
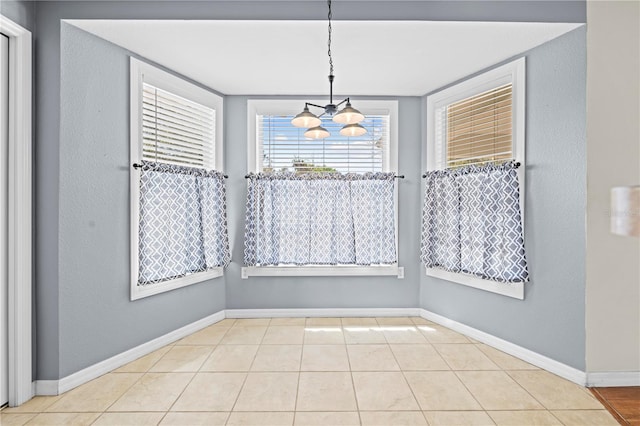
{"x": 353, "y": 130}
{"x": 349, "y": 116}
{"x": 317, "y": 132}
{"x": 306, "y": 119}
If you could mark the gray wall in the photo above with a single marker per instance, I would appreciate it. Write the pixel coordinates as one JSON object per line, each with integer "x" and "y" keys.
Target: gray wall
{"x": 326, "y": 292}
{"x": 96, "y": 317}
{"x": 551, "y": 319}
{"x": 21, "y": 12}
{"x": 64, "y": 264}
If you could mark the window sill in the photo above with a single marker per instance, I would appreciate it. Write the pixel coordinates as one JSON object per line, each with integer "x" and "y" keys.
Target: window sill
{"x": 322, "y": 271}
{"x": 139, "y": 292}
{"x": 515, "y": 290}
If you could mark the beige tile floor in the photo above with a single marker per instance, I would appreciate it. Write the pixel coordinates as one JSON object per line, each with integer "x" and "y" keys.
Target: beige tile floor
{"x": 321, "y": 371}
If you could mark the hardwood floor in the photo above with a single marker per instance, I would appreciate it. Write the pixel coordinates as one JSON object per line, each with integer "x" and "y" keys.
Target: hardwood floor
{"x": 623, "y": 403}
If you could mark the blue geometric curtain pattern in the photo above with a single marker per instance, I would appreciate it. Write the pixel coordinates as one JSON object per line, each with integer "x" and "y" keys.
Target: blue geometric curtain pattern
{"x": 471, "y": 222}
{"x": 320, "y": 219}
{"x": 183, "y": 222}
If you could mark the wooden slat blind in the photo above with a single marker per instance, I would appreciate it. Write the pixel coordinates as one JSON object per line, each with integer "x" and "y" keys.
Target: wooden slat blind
{"x": 479, "y": 128}
{"x": 176, "y": 130}
{"x": 284, "y": 147}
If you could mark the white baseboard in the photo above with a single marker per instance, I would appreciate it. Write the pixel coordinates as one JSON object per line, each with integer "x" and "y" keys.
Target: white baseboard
{"x": 613, "y": 378}
{"x": 56, "y": 387}
{"x": 45, "y": 387}
{"x": 546, "y": 363}
{"x": 333, "y": 312}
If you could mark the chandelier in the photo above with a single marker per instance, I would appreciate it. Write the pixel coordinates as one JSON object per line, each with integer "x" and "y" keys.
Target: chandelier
{"x": 348, "y": 116}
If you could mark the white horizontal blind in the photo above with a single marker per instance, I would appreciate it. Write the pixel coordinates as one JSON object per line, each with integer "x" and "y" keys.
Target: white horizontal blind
{"x": 478, "y": 128}
{"x": 284, "y": 147}
{"x": 176, "y": 130}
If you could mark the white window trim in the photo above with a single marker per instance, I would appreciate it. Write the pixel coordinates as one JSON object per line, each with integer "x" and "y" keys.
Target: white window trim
{"x": 139, "y": 72}
{"x": 513, "y": 72}
{"x": 322, "y": 270}
{"x": 390, "y": 164}
{"x": 19, "y": 247}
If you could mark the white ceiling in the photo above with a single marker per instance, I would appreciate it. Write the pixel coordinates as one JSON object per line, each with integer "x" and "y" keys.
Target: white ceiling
{"x": 396, "y": 58}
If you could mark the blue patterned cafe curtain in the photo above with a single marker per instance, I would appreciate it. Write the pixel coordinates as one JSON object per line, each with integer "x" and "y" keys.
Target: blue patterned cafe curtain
{"x": 320, "y": 219}
{"x": 471, "y": 222}
{"x": 183, "y": 222}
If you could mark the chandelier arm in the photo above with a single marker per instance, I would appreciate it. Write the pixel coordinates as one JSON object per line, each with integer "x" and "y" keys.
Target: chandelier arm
{"x": 343, "y": 101}
{"x": 313, "y": 105}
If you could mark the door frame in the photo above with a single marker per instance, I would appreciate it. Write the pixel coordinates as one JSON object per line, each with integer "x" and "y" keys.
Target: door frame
{"x": 20, "y": 211}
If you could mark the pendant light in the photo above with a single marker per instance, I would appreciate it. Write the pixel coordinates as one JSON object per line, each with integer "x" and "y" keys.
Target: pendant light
{"x": 306, "y": 119}
{"x": 353, "y": 130}
{"x": 349, "y": 116}
{"x": 317, "y": 132}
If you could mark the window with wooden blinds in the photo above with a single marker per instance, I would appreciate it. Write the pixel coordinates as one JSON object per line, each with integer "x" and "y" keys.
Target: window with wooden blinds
{"x": 479, "y": 120}
{"x": 479, "y": 128}
{"x": 176, "y": 130}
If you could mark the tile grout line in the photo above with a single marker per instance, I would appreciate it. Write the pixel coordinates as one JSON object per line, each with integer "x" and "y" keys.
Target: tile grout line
{"x": 195, "y": 373}
{"x": 123, "y": 393}
{"x": 529, "y": 393}
{"x": 353, "y": 384}
{"x": 408, "y": 385}
{"x": 295, "y": 403}
{"x": 246, "y": 376}
{"x": 455, "y": 373}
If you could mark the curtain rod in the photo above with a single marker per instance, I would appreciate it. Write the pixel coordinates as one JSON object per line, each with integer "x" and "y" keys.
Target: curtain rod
{"x": 397, "y": 176}
{"x": 137, "y": 166}
{"x": 516, "y": 165}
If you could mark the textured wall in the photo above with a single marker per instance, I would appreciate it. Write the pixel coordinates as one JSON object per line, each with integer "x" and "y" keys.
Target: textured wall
{"x": 613, "y": 159}
{"x": 326, "y": 292}
{"x": 21, "y": 12}
{"x": 550, "y": 320}
{"x": 96, "y": 318}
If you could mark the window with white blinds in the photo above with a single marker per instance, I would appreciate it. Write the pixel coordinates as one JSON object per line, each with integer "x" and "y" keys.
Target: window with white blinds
{"x": 177, "y": 130}
{"x": 478, "y": 128}
{"x": 478, "y": 121}
{"x": 173, "y": 121}
{"x": 283, "y": 147}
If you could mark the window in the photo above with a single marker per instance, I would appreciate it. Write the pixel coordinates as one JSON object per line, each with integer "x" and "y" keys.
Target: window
{"x": 174, "y": 123}
{"x": 478, "y": 129}
{"x": 176, "y": 130}
{"x": 285, "y": 148}
{"x": 479, "y": 121}
{"x": 275, "y": 145}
